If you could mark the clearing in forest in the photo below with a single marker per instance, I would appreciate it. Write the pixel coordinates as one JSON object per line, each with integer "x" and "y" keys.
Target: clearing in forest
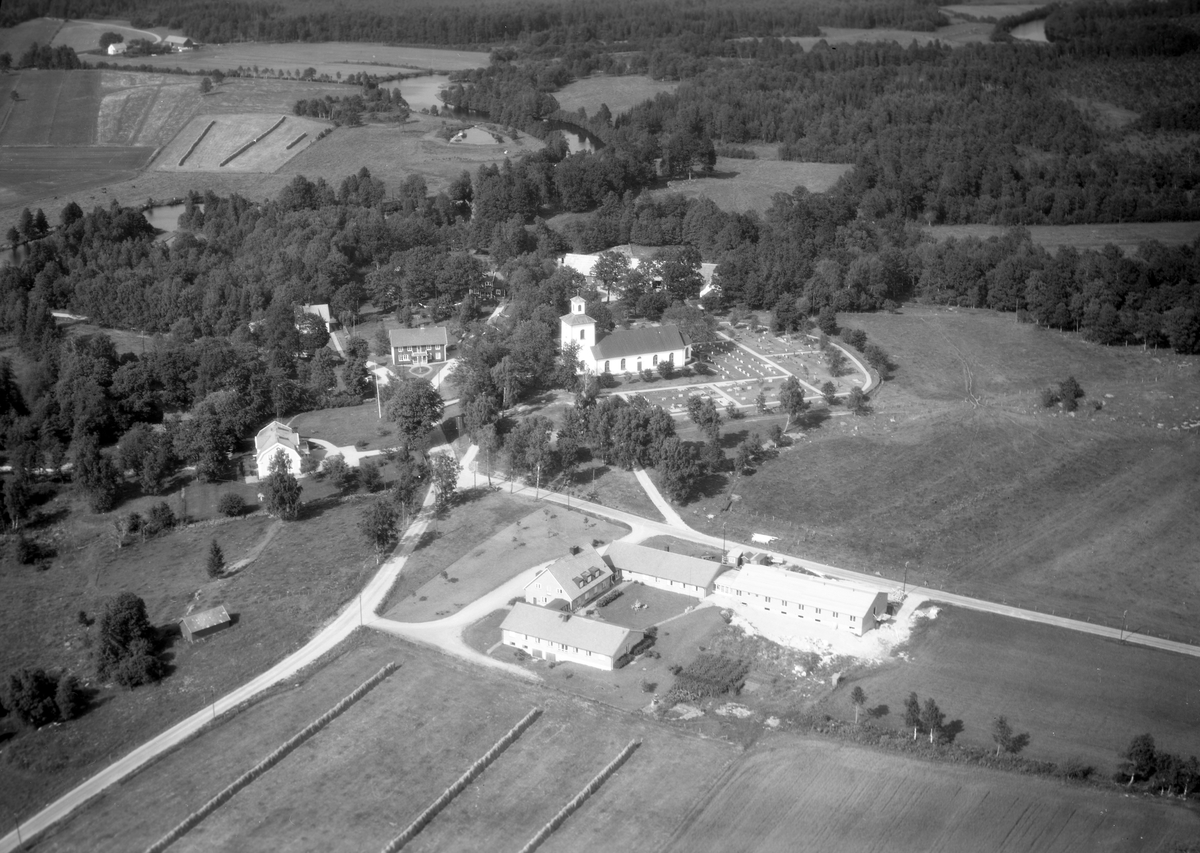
{"x": 742, "y": 185}
{"x": 619, "y": 93}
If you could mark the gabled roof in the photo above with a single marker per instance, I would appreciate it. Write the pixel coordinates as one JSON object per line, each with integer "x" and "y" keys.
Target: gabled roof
{"x": 576, "y": 319}
{"x": 205, "y": 619}
{"x": 321, "y": 311}
{"x": 177, "y": 40}
{"x": 639, "y": 341}
{"x": 423, "y": 337}
{"x": 576, "y": 573}
{"x": 556, "y": 627}
{"x": 839, "y": 596}
{"x": 585, "y": 264}
{"x": 664, "y": 564}
{"x": 276, "y": 433}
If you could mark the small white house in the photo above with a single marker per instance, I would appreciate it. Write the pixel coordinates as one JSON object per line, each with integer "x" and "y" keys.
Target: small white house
{"x": 835, "y": 604}
{"x": 622, "y": 350}
{"x": 556, "y": 636}
{"x": 574, "y": 581}
{"x": 117, "y": 48}
{"x": 274, "y": 437}
{"x": 664, "y": 569}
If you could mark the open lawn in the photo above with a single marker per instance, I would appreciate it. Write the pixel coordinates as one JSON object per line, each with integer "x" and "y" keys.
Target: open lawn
{"x": 305, "y": 572}
{"x": 366, "y": 776}
{"x": 641, "y": 606}
{"x": 332, "y": 58}
{"x": 531, "y": 540}
{"x": 743, "y": 185}
{"x": 841, "y": 798}
{"x": 1078, "y": 696}
{"x": 620, "y": 94}
{"x": 360, "y": 426}
{"x": 1127, "y": 236}
{"x": 961, "y": 473}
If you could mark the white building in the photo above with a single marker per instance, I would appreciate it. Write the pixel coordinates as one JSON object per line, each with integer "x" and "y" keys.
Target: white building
{"x": 622, "y": 350}
{"x": 117, "y": 48}
{"x": 277, "y": 436}
{"x": 179, "y": 42}
{"x": 556, "y": 636}
{"x": 664, "y": 569}
{"x": 423, "y": 346}
{"x": 572, "y": 581}
{"x": 835, "y": 604}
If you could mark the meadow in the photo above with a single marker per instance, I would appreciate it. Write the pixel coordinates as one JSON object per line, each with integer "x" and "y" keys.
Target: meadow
{"x": 619, "y": 93}
{"x": 229, "y": 134}
{"x": 1126, "y": 236}
{"x": 84, "y": 36}
{"x": 40, "y": 172}
{"x": 14, "y": 40}
{"x": 742, "y": 185}
{"x": 839, "y": 798}
{"x": 991, "y": 11}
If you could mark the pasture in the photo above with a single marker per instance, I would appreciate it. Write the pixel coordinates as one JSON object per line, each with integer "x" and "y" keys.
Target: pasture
{"x": 84, "y": 36}
{"x": 231, "y": 133}
{"x": 1127, "y": 236}
{"x": 337, "y": 59}
{"x": 955, "y": 34}
{"x": 370, "y": 772}
{"x": 1077, "y": 695}
{"x": 743, "y": 185}
{"x": 961, "y": 474}
{"x": 55, "y": 107}
{"x": 840, "y": 798}
{"x": 16, "y": 39}
{"x": 40, "y": 172}
{"x": 619, "y": 93}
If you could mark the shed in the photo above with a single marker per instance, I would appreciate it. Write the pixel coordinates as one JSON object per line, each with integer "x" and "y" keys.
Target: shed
{"x": 205, "y": 623}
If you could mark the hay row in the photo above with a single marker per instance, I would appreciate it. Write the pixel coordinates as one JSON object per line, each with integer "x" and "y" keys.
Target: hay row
{"x": 270, "y": 761}
{"x": 199, "y": 139}
{"x": 251, "y": 143}
{"x": 433, "y": 809}
{"x": 580, "y": 798}
{"x": 295, "y": 141}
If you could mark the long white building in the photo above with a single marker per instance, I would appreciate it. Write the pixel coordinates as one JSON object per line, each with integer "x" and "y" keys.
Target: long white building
{"x": 556, "y": 636}
{"x": 836, "y": 604}
{"x": 664, "y": 569}
{"x": 622, "y": 350}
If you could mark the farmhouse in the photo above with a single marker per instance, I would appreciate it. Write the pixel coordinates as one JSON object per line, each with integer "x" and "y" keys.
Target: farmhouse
{"x": 664, "y": 569}
{"x": 418, "y": 346}
{"x": 836, "y": 604}
{"x": 205, "y": 623}
{"x": 623, "y": 350}
{"x": 556, "y": 636}
{"x": 117, "y": 48}
{"x": 179, "y": 42}
{"x": 573, "y": 581}
{"x": 274, "y": 437}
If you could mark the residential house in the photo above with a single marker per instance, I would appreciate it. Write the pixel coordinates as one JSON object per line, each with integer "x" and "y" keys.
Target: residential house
{"x": 274, "y": 437}
{"x": 556, "y": 636}
{"x": 622, "y": 350}
{"x": 664, "y": 569}
{"x": 179, "y": 42}
{"x": 834, "y": 603}
{"x": 422, "y": 346}
{"x": 205, "y": 623}
{"x": 322, "y": 313}
{"x": 572, "y": 581}
{"x": 117, "y": 48}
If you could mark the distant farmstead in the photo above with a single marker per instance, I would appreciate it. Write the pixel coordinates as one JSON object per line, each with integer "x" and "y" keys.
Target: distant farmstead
{"x": 623, "y": 350}
{"x": 555, "y": 636}
{"x": 413, "y": 347}
{"x": 117, "y": 48}
{"x": 837, "y": 604}
{"x": 179, "y": 42}
{"x": 274, "y": 437}
{"x": 205, "y": 624}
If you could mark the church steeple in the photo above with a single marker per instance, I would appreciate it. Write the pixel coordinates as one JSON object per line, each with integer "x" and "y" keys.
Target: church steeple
{"x": 577, "y": 327}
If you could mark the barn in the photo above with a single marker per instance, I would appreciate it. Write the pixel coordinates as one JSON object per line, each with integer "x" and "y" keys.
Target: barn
{"x": 556, "y": 636}
{"x": 664, "y": 569}
{"x": 205, "y": 623}
{"x": 833, "y": 603}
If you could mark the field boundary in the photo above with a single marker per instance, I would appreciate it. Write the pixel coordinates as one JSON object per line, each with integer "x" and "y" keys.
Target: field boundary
{"x": 295, "y": 141}
{"x": 281, "y": 752}
{"x": 433, "y": 809}
{"x": 251, "y": 143}
{"x": 199, "y": 139}
{"x": 580, "y": 798}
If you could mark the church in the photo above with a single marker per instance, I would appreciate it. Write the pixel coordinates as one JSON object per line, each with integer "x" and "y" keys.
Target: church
{"x": 622, "y": 350}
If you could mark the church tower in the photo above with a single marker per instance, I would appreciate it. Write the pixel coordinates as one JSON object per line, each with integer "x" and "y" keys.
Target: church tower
{"x": 578, "y": 328}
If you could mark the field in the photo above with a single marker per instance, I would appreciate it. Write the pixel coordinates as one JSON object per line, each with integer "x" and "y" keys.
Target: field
{"x": 40, "y": 172}
{"x": 838, "y": 798}
{"x": 337, "y": 59}
{"x": 991, "y": 11}
{"x": 953, "y": 34}
{"x": 84, "y": 36}
{"x": 361, "y": 780}
{"x": 619, "y": 93}
{"x": 961, "y": 474}
{"x": 55, "y": 107}
{"x": 744, "y": 185}
{"x": 16, "y": 39}
{"x": 1125, "y": 235}
{"x": 1077, "y": 695}
{"x": 230, "y": 133}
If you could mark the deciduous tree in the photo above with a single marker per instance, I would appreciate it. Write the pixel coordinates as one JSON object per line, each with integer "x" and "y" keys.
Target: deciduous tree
{"x": 445, "y": 471}
{"x": 126, "y": 643}
{"x": 858, "y": 698}
{"x": 416, "y": 407}
{"x": 282, "y": 490}
{"x": 378, "y": 525}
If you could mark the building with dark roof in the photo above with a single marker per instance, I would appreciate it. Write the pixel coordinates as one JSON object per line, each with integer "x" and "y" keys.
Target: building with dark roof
{"x": 622, "y": 350}
{"x": 576, "y": 580}
{"x": 418, "y": 346}
{"x": 205, "y": 623}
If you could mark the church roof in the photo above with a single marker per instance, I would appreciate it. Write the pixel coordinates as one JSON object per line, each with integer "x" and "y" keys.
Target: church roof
{"x": 641, "y": 341}
{"x": 576, "y": 319}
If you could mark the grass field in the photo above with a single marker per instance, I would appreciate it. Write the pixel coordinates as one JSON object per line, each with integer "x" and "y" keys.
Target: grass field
{"x": 16, "y": 39}
{"x": 991, "y": 11}
{"x": 302, "y": 576}
{"x": 1125, "y": 235}
{"x": 744, "y": 185}
{"x": 229, "y": 134}
{"x": 1077, "y": 695}
{"x": 838, "y": 798}
{"x": 55, "y": 107}
{"x": 38, "y": 172}
{"x": 961, "y": 474}
{"x": 952, "y": 34}
{"x": 619, "y": 93}
{"x": 360, "y": 781}
{"x": 84, "y": 36}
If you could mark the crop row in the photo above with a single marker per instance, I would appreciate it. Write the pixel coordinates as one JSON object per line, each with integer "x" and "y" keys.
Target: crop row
{"x": 433, "y": 809}
{"x": 580, "y": 798}
{"x": 251, "y": 143}
{"x": 295, "y": 141}
{"x": 199, "y": 139}
{"x": 270, "y": 761}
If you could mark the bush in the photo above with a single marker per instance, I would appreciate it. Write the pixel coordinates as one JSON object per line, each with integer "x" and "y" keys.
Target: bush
{"x": 159, "y": 518}
{"x": 608, "y": 598}
{"x": 649, "y": 686}
{"x": 28, "y": 551}
{"x": 308, "y": 464}
{"x": 1048, "y": 397}
{"x": 647, "y": 374}
{"x": 69, "y": 697}
{"x": 31, "y": 694}
{"x": 231, "y": 504}
{"x": 370, "y": 477}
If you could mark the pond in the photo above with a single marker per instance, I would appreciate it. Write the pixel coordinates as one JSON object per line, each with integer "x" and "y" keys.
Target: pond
{"x": 420, "y": 92}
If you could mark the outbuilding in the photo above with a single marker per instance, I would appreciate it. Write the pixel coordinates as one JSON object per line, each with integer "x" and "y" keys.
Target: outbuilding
{"x": 556, "y": 636}
{"x": 664, "y": 569}
{"x": 205, "y": 623}
{"x": 833, "y": 603}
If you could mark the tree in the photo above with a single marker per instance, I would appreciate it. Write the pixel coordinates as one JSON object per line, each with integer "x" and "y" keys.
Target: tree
{"x": 282, "y": 490}
{"x": 69, "y": 697}
{"x": 107, "y": 38}
{"x": 827, "y": 321}
{"x": 206, "y": 85}
{"x": 125, "y": 649}
{"x": 932, "y": 718}
{"x": 858, "y": 402}
{"x": 378, "y": 525}
{"x": 858, "y": 698}
{"x": 1140, "y": 758}
{"x": 31, "y": 692}
{"x": 5, "y": 62}
{"x": 1069, "y": 391}
{"x": 836, "y": 359}
{"x": 829, "y": 393}
{"x": 95, "y": 473}
{"x": 445, "y": 480}
{"x": 17, "y": 499}
{"x": 1006, "y": 739}
{"x": 216, "y": 560}
{"x": 231, "y": 504}
{"x": 339, "y": 472}
{"x": 679, "y": 468}
{"x": 416, "y": 407}
{"x": 912, "y": 713}
{"x": 407, "y": 485}
{"x": 704, "y": 414}
{"x": 878, "y": 359}
{"x": 791, "y": 399}
{"x": 370, "y": 476}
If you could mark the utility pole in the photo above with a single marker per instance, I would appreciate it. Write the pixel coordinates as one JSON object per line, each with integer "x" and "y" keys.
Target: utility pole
{"x": 1123, "y": 615}
{"x": 378, "y": 400}
{"x": 904, "y": 589}
{"x": 538, "y": 486}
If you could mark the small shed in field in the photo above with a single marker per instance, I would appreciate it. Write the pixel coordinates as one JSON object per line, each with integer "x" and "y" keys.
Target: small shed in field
{"x": 205, "y": 623}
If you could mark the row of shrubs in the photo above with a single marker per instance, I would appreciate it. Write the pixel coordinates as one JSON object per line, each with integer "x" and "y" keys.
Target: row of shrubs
{"x": 580, "y": 798}
{"x": 708, "y": 675}
{"x": 270, "y": 761}
{"x": 609, "y": 597}
{"x": 433, "y": 809}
